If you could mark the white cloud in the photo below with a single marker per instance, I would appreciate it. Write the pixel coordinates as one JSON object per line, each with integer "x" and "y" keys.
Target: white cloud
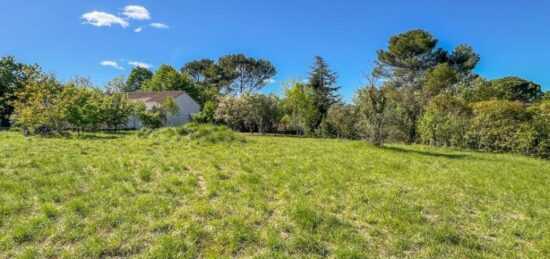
{"x": 270, "y": 81}
{"x": 159, "y": 25}
{"x": 136, "y": 12}
{"x": 138, "y": 29}
{"x": 139, "y": 64}
{"x": 99, "y": 19}
{"x": 110, "y": 63}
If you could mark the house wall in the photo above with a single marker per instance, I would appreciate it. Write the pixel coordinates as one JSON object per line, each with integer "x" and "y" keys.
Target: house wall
{"x": 187, "y": 106}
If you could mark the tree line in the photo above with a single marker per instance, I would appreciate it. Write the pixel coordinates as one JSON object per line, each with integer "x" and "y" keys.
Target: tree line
{"x": 416, "y": 93}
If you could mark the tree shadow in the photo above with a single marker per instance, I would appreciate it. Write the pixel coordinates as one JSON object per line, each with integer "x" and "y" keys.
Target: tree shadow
{"x": 424, "y": 153}
{"x": 97, "y": 137}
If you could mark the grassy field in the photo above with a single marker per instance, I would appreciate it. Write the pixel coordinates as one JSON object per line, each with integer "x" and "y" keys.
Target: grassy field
{"x": 120, "y": 195}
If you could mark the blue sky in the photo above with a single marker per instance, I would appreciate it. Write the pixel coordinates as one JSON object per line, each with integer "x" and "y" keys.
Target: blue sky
{"x": 512, "y": 37}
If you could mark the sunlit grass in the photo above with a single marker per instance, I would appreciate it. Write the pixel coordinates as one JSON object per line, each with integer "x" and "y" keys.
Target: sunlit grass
{"x": 106, "y": 195}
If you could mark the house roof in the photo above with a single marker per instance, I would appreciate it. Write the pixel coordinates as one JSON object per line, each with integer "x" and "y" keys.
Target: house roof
{"x": 154, "y": 96}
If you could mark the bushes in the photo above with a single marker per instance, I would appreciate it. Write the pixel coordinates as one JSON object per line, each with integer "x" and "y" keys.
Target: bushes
{"x": 341, "y": 122}
{"x": 501, "y": 126}
{"x": 249, "y": 112}
{"x": 445, "y": 121}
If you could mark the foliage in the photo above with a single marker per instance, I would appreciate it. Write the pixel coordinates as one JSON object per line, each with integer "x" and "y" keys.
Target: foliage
{"x": 117, "y": 85}
{"x": 322, "y": 81}
{"x": 157, "y": 116}
{"x": 246, "y": 74}
{"x": 508, "y": 88}
{"x": 137, "y": 79}
{"x": 84, "y": 107}
{"x": 417, "y": 71}
{"x": 541, "y": 125}
{"x": 298, "y": 107}
{"x": 445, "y": 121}
{"x": 516, "y": 89}
{"x": 249, "y": 112}
{"x": 501, "y": 126}
{"x": 39, "y": 108}
{"x": 207, "y": 113}
{"x": 372, "y": 105}
{"x": 12, "y": 77}
{"x": 340, "y": 122}
{"x": 117, "y": 110}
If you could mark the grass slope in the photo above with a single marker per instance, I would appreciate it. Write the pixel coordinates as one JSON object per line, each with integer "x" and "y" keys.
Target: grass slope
{"x": 119, "y": 195}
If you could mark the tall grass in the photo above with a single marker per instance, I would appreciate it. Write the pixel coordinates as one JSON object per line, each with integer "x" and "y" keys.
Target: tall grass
{"x": 189, "y": 192}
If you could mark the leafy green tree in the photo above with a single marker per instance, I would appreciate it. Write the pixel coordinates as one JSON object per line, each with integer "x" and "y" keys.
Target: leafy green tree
{"x": 207, "y": 113}
{"x": 300, "y": 114}
{"x": 405, "y": 63}
{"x": 137, "y": 78}
{"x": 245, "y": 74}
{"x": 199, "y": 70}
{"x": 117, "y": 110}
{"x": 501, "y": 126}
{"x": 158, "y": 115}
{"x": 249, "y": 112}
{"x": 38, "y": 108}
{"x": 322, "y": 80}
{"x": 84, "y": 107}
{"x": 417, "y": 71}
{"x": 372, "y": 103}
{"x": 516, "y": 89}
{"x": 12, "y": 77}
{"x": 464, "y": 60}
{"x": 445, "y": 121}
{"x": 541, "y": 124}
{"x": 340, "y": 122}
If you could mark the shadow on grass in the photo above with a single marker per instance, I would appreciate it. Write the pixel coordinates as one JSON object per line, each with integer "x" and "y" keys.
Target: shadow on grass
{"x": 98, "y": 137}
{"x": 424, "y": 153}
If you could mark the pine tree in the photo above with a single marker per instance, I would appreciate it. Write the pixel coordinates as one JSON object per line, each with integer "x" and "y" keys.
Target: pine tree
{"x": 323, "y": 83}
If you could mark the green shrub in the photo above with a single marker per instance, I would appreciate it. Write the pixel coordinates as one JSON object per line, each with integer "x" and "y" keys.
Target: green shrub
{"x": 501, "y": 126}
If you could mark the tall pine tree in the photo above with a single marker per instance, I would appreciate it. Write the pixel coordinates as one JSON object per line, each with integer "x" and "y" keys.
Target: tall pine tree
{"x": 323, "y": 83}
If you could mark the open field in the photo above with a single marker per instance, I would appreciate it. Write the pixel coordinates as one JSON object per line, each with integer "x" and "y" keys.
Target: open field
{"x": 106, "y": 195}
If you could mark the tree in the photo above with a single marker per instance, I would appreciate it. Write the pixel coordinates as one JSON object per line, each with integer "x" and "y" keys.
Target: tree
{"x": 199, "y": 70}
{"x": 81, "y": 81}
{"x": 372, "y": 103}
{"x": 340, "y": 122}
{"x": 516, "y": 89}
{"x": 245, "y": 74}
{"x": 405, "y": 63}
{"x": 158, "y": 115}
{"x": 502, "y": 126}
{"x": 445, "y": 121}
{"x": 248, "y": 112}
{"x": 300, "y": 113}
{"x": 84, "y": 107}
{"x": 12, "y": 77}
{"x": 137, "y": 78}
{"x": 117, "y": 85}
{"x": 38, "y": 108}
{"x": 323, "y": 83}
{"x": 541, "y": 124}
{"x": 117, "y": 110}
{"x": 167, "y": 78}
{"x": 208, "y": 79}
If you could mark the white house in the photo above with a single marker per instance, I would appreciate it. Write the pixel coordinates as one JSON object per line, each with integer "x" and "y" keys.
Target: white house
{"x": 186, "y": 104}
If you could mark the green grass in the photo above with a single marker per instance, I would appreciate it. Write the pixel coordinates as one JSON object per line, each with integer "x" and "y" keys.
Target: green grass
{"x": 165, "y": 195}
